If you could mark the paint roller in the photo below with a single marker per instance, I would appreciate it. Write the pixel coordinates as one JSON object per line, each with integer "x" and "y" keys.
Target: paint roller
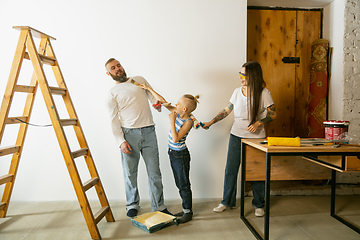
{"x": 283, "y": 141}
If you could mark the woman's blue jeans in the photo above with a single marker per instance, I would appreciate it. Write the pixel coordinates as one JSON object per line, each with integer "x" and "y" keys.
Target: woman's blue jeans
{"x": 180, "y": 165}
{"x": 142, "y": 141}
{"x": 231, "y": 177}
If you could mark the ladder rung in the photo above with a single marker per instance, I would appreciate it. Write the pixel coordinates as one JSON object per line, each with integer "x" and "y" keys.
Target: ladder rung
{"x": 80, "y": 152}
{"x": 21, "y": 88}
{"x": 92, "y": 182}
{"x": 68, "y": 122}
{"x": 6, "y": 178}
{"x": 8, "y": 150}
{"x": 101, "y": 213}
{"x": 12, "y": 120}
{"x": 2, "y": 205}
{"x": 57, "y": 90}
{"x": 45, "y": 59}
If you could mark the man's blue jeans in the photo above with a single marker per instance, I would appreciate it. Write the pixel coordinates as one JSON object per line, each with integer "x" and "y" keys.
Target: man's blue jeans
{"x": 231, "y": 177}
{"x": 180, "y": 165}
{"x": 142, "y": 141}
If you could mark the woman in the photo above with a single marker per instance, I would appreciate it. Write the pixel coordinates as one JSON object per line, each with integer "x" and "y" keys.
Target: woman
{"x": 253, "y": 107}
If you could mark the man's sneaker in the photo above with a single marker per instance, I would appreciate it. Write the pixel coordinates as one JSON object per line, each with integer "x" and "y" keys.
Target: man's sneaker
{"x": 166, "y": 212}
{"x": 185, "y": 217}
{"x": 259, "y": 212}
{"x": 220, "y": 208}
{"x": 132, "y": 212}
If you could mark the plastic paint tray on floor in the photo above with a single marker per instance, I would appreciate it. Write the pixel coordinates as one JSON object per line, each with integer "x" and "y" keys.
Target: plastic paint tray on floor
{"x": 154, "y": 221}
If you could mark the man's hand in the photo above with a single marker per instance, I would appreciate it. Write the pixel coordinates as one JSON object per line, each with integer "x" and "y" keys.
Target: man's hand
{"x": 157, "y": 105}
{"x": 125, "y": 147}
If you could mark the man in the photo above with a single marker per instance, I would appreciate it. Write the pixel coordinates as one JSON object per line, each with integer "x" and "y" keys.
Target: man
{"x": 134, "y": 130}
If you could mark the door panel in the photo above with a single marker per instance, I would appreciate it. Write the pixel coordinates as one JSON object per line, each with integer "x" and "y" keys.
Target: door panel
{"x": 272, "y": 35}
{"x": 308, "y": 30}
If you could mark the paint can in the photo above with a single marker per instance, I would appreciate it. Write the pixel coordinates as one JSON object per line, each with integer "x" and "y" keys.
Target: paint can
{"x": 336, "y": 129}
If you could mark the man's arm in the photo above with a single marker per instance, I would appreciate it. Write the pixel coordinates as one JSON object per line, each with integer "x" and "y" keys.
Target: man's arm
{"x": 157, "y": 96}
{"x": 116, "y": 126}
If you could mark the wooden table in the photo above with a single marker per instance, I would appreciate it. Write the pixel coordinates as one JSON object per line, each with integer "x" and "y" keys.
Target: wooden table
{"x": 342, "y": 159}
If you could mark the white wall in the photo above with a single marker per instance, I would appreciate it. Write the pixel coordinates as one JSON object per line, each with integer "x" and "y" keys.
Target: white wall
{"x": 179, "y": 46}
{"x": 333, "y": 30}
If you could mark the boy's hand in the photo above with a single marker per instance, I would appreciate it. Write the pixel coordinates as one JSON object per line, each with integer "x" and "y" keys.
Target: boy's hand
{"x": 172, "y": 116}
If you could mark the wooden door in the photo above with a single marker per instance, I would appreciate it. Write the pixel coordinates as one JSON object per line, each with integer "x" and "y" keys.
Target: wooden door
{"x": 271, "y": 36}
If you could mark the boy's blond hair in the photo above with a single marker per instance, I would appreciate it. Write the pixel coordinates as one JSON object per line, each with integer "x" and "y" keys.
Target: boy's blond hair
{"x": 191, "y": 101}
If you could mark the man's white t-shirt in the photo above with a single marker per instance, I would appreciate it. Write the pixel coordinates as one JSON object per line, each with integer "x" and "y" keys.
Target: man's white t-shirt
{"x": 128, "y": 106}
{"x": 242, "y": 116}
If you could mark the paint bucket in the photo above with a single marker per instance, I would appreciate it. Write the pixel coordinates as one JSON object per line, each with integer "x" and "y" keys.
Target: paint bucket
{"x": 336, "y": 129}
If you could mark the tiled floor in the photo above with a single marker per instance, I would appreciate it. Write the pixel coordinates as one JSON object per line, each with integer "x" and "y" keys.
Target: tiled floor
{"x": 292, "y": 217}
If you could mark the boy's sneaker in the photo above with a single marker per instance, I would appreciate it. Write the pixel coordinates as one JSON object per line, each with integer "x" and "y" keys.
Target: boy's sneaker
{"x": 259, "y": 212}
{"x": 220, "y": 208}
{"x": 179, "y": 214}
{"x": 185, "y": 217}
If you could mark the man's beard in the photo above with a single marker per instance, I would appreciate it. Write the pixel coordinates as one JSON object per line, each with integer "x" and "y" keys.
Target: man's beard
{"x": 122, "y": 78}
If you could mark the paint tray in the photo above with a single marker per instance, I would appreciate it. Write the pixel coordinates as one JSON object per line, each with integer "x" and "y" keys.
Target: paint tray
{"x": 154, "y": 221}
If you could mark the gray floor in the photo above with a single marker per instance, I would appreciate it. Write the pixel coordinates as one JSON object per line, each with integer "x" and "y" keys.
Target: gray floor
{"x": 292, "y": 217}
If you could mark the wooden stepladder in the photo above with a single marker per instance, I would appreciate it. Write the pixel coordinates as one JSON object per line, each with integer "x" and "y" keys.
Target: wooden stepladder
{"x": 45, "y": 55}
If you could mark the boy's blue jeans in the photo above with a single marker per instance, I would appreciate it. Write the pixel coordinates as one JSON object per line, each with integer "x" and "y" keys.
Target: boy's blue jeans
{"x": 231, "y": 177}
{"x": 142, "y": 141}
{"x": 180, "y": 165}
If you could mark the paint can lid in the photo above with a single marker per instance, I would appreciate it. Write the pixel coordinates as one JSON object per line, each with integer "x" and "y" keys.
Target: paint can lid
{"x": 337, "y": 122}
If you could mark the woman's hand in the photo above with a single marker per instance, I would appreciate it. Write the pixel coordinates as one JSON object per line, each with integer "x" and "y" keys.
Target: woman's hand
{"x": 206, "y": 125}
{"x": 253, "y": 127}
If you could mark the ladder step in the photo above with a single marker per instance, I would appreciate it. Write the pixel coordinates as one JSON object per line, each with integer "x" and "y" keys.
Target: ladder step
{"x": 68, "y": 122}
{"x": 101, "y": 213}
{"x": 45, "y": 59}
{"x": 34, "y": 32}
{"x": 57, "y": 90}
{"x": 92, "y": 182}
{"x": 21, "y": 88}
{"x": 9, "y": 150}
{"x": 2, "y": 205}
{"x": 80, "y": 152}
{"x": 6, "y": 178}
{"x": 12, "y": 120}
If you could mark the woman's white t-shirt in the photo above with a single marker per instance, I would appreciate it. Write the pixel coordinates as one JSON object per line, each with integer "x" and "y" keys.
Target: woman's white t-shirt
{"x": 242, "y": 116}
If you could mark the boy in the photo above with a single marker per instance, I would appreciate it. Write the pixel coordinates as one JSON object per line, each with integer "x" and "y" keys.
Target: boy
{"x": 180, "y": 125}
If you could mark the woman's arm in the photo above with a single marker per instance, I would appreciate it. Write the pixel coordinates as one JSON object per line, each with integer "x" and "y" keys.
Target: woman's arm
{"x": 270, "y": 116}
{"x": 220, "y": 116}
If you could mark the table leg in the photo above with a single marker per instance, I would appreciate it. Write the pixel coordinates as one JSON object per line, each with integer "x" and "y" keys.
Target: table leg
{"x": 267, "y": 197}
{"x": 332, "y": 210}
{"x": 242, "y": 180}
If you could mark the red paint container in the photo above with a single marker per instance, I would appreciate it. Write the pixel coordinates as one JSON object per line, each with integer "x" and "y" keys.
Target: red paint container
{"x": 336, "y": 130}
